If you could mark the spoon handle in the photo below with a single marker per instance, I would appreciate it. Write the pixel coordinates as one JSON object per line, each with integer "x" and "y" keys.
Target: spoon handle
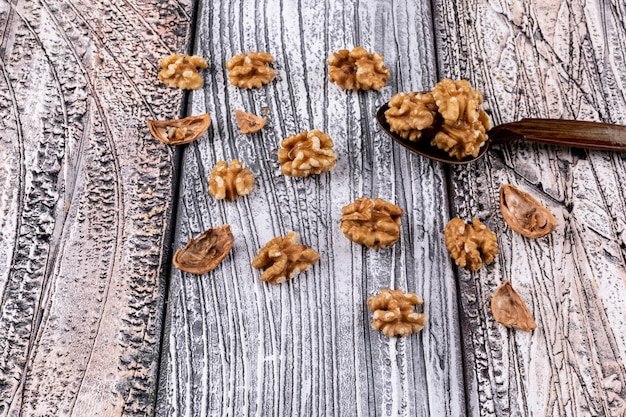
{"x": 575, "y": 133}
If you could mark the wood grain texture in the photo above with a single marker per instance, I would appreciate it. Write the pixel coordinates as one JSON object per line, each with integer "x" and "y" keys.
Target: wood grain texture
{"x": 545, "y": 59}
{"x": 85, "y": 203}
{"x": 237, "y": 346}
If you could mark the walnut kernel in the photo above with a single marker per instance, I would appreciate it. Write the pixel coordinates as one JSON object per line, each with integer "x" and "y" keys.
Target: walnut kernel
{"x": 411, "y": 113}
{"x": 373, "y": 223}
{"x": 394, "y": 313}
{"x": 357, "y": 69}
{"x": 470, "y": 245}
{"x": 509, "y": 309}
{"x": 251, "y": 70}
{"x": 179, "y": 132}
{"x": 230, "y": 181}
{"x": 182, "y": 71}
{"x": 307, "y": 153}
{"x": 248, "y": 122}
{"x": 524, "y": 214}
{"x": 284, "y": 258}
{"x": 204, "y": 252}
{"x": 465, "y": 125}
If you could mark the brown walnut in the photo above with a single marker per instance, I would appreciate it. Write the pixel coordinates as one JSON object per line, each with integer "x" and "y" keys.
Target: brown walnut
{"x": 251, "y": 70}
{"x": 248, "y": 122}
{"x": 524, "y": 214}
{"x": 373, "y": 223}
{"x": 204, "y": 252}
{"x": 509, "y": 309}
{"x": 470, "y": 245}
{"x": 182, "y": 71}
{"x": 181, "y": 131}
{"x": 307, "y": 153}
{"x": 409, "y": 114}
{"x": 394, "y": 313}
{"x": 357, "y": 69}
{"x": 284, "y": 258}
{"x": 230, "y": 181}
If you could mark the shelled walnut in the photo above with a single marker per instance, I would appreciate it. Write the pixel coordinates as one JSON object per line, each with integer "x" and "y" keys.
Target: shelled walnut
{"x": 284, "y": 258}
{"x": 409, "y": 114}
{"x": 394, "y": 313}
{"x": 524, "y": 214}
{"x": 248, "y": 122}
{"x": 373, "y": 223}
{"x": 182, "y": 71}
{"x": 230, "y": 181}
{"x": 509, "y": 309}
{"x": 204, "y": 252}
{"x": 307, "y": 153}
{"x": 179, "y": 132}
{"x": 470, "y": 245}
{"x": 357, "y": 69}
{"x": 465, "y": 125}
{"x": 251, "y": 70}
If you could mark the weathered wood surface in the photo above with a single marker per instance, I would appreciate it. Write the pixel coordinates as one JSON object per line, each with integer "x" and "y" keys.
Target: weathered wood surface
{"x": 236, "y": 346}
{"x": 545, "y": 59}
{"x": 85, "y": 203}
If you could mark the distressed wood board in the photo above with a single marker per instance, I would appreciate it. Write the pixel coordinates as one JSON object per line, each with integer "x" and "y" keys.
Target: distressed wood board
{"x": 85, "y": 203}
{"x": 545, "y": 59}
{"x": 237, "y": 346}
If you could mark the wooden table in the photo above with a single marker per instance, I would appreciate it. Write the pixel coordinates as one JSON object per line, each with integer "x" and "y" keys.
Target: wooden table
{"x": 93, "y": 319}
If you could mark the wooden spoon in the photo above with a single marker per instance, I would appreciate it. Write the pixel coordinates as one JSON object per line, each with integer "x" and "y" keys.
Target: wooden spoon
{"x": 574, "y": 133}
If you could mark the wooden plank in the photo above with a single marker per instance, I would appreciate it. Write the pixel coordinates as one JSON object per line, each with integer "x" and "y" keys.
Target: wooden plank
{"x": 545, "y": 59}
{"x": 236, "y": 346}
{"x": 85, "y": 203}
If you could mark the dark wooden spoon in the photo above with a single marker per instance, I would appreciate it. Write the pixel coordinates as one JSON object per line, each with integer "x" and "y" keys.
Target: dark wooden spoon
{"x": 574, "y": 133}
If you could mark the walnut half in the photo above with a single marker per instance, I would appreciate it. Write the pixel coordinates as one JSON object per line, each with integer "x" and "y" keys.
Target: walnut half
{"x": 373, "y": 223}
{"x": 357, "y": 69}
{"x": 181, "y": 131}
{"x": 409, "y": 114}
{"x": 204, "y": 252}
{"x": 470, "y": 245}
{"x": 250, "y": 70}
{"x": 230, "y": 181}
{"x": 394, "y": 313}
{"x": 284, "y": 258}
{"x": 182, "y": 71}
{"x": 509, "y": 309}
{"x": 307, "y": 153}
{"x": 524, "y": 214}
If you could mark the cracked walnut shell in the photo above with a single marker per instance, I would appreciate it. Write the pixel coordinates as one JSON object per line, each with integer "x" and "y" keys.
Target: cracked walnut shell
{"x": 179, "y": 132}
{"x": 409, "y": 114}
{"x": 284, "y": 258}
{"x": 307, "y": 153}
{"x": 357, "y": 69}
{"x": 470, "y": 245}
{"x": 248, "y": 122}
{"x": 509, "y": 309}
{"x": 394, "y": 313}
{"x": 204, "y": 252}
{"x": 230, "y": 181}
{"x": 524, "y": 214}
{"x": 182, "y": 71}
{"x": 464, "y": 128}
{"x": 373, "y": 223}
{"x": 251, "y": 70}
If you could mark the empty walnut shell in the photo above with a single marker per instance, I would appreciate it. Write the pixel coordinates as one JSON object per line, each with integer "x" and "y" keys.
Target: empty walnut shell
{"x": 203, "y": 253}
{"x": 248, "y": 122}
{"x": 509, "y": 309}
{"x": 524, "y": 214}
{"x": 181, "y": 131}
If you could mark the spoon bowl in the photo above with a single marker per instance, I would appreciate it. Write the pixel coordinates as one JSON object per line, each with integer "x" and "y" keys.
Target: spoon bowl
{"x": 573, "y": 133}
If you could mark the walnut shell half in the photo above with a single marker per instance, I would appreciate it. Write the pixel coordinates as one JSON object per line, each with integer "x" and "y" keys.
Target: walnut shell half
{"x": 509, "y": 309}
{"x": 248, "y": 122}
{"x": 181, "y": 131}
{"x": 524, "y": 214}
{"x": 204, "y": 252}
